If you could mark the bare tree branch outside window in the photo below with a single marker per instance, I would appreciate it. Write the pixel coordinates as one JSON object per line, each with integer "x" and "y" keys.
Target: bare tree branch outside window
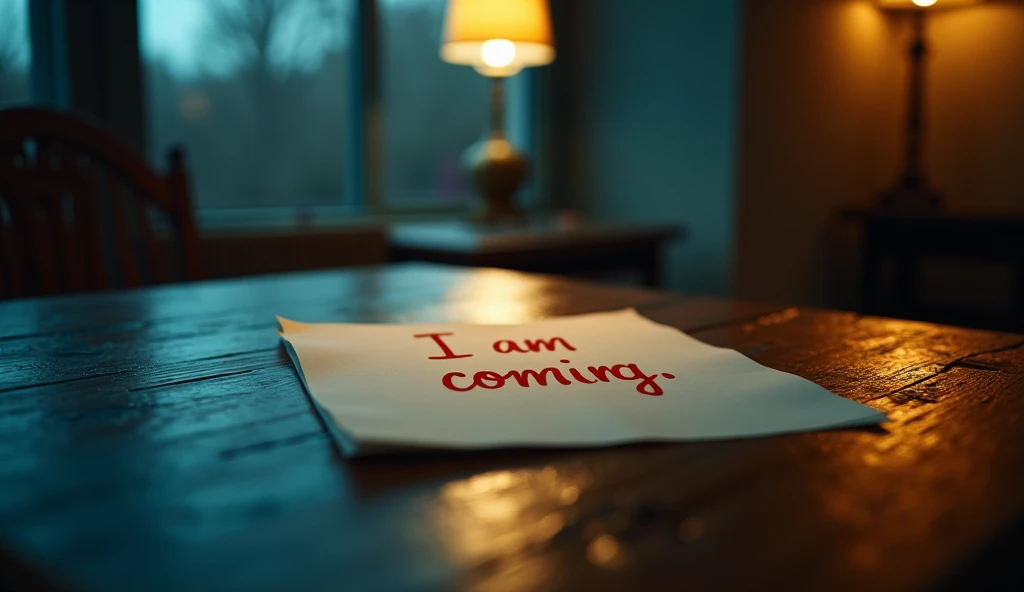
{"x": 262, "y": 103}
{"x": 15, "y": 52}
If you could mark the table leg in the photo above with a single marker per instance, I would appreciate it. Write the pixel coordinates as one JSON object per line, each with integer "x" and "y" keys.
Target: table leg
{"x": 652, "y": 272}
{"x": 905, "y": 302}
{"x": 871, "y": 259}
{"x": 1017, "y": 292}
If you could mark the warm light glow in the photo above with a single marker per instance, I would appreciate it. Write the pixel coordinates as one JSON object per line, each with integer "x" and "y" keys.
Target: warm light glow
{"x": 603, "y": 550}
{"x": 498, "y": 53}
{"x": 495, "y": 297}
{"x": 691, "y": 529}
{"x": 499, "y": 513}
{"x": 498, "y": 37}
{"x": 931, "y": 4}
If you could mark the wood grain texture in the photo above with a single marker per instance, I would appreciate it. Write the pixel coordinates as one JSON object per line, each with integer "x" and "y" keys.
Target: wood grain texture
{"x": 160, "y": 439}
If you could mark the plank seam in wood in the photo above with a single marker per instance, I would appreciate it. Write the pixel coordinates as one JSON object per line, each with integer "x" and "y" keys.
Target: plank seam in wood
{"x": 957, "y": 363}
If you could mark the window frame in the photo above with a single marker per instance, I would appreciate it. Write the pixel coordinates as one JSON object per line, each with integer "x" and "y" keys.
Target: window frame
{"x": 67, "y": 81}
{"x": 365, "y": 196}
{"x": 48, "y": 40}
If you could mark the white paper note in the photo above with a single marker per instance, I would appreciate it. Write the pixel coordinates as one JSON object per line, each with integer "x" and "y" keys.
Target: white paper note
{"x": 587, "y": 380}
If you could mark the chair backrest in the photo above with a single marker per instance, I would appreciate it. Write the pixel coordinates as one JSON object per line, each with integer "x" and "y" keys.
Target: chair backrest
{"x": 80, "y": 212}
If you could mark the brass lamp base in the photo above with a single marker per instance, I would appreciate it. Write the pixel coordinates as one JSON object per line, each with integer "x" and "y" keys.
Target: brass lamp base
{"x": 497, "y": 170}
{"x": 911, "y": 195}
{"x": 910, "y": 200}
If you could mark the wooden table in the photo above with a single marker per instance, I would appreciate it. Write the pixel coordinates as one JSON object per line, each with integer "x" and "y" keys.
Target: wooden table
{"x": 159, "y": 439}
{"x": 544, "y": 246}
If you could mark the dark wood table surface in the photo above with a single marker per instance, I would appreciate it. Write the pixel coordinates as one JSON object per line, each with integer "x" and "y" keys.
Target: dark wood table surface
{"x": 160, "y": 439}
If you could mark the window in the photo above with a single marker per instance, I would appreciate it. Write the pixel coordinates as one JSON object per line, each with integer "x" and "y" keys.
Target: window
{"x": 268, "y": 99}
{"x": 15, "y": 52}
{"x": 432, "y": 110}
{"x": 255, "y": 90}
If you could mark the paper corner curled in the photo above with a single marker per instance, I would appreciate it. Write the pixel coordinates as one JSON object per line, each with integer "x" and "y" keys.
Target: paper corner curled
{"x": 283, "y": 323}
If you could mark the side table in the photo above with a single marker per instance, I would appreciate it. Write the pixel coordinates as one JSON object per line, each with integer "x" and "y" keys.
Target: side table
{"x": 542, "y": 246}
{"x": 992, "y": 235}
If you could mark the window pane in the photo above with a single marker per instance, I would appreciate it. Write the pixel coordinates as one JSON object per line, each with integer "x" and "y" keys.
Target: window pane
{"x": 432, "y": 110}
{"x": 255, "y": 90}
{"x": 15, "y": 52}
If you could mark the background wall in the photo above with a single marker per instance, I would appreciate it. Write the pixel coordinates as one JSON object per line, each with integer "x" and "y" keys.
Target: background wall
{"x": 823, "y": 88}
{"x": 976, "y": 93}
{"x": 655, "y": 124}
{"x": 820, "y": 128}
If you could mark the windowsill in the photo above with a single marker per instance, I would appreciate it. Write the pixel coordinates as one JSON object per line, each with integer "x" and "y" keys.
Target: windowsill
{"x": 286, "y": 220}
{"x": 274, "y": 220}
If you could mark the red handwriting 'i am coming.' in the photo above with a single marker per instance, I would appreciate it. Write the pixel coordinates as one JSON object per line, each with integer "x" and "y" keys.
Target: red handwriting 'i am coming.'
{"x": 486, "y": 379}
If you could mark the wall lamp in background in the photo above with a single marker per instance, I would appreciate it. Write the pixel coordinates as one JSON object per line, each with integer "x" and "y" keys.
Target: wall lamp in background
{"x": 912, "y": 191}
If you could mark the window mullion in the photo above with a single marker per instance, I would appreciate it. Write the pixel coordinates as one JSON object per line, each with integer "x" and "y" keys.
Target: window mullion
{"x": 365, "y": 167}
{"x": 49, "y": 68}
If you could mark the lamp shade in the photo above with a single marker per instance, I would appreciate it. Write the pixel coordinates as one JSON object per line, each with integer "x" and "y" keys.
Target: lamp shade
{"x": 925, "y": 4}
{"x": 498, "y": 37}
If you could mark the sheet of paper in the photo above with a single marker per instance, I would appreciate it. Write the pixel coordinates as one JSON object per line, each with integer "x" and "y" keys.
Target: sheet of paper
{"x": 587, "y": 380}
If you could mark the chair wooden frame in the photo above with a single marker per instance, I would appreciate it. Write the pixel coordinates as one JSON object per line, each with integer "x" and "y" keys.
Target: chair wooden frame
{"x": 52, "y": 192}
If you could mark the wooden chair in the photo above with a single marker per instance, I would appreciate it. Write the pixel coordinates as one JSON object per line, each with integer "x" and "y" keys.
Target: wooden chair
{"x": 80, "y": 212}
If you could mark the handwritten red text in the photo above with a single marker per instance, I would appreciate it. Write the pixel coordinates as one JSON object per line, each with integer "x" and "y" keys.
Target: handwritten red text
{"x": 645, "y": 384}
{"x": 507, "y": 346}
{"x": 489, "y": 380}
{"x": 448, "y": 353}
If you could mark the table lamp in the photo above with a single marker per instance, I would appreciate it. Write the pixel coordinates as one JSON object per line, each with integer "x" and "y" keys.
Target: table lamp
{"x": 912, "y": 191}
{"x": 498, "y": 38}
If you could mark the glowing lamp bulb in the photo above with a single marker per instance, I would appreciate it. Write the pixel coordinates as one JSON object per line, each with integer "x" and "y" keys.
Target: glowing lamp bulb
{"x": 923, "y": 3}
{"x": 498, "y": 53}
